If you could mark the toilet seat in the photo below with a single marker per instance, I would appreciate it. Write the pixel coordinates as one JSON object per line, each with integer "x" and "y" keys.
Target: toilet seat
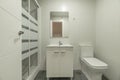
{"x": 95, "y": 63}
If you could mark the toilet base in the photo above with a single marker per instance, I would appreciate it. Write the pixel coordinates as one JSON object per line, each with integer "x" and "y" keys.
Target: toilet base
{"x": 91, "y": 74}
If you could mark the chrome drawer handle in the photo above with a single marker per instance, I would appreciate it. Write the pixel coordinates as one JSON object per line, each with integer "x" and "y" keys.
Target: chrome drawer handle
{"x": 62, "y": 52}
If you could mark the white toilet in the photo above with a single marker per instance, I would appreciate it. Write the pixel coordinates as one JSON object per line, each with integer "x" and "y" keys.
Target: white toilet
{"x": 91, "y": 67}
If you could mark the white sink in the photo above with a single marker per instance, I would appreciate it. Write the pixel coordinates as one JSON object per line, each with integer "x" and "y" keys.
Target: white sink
{"x": 56, "y": 45}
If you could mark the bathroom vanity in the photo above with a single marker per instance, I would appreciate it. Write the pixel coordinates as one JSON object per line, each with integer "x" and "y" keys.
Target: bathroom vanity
{"x": 59, "y": 61}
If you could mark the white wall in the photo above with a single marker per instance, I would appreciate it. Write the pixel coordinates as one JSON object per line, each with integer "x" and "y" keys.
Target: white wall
{"x": 108, "y": 36}
{"x": 40, "y": 36}
{"x": 81, "y": 24}
{"x": 10, "y": 42}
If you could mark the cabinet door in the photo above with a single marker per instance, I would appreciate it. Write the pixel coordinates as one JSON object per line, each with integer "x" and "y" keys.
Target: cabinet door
{"x": 66, "y": 63}
{"x": 53, "y": 68}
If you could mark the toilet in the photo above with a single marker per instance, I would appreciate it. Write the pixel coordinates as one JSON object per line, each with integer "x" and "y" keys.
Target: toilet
{"x": 91, "y": 66}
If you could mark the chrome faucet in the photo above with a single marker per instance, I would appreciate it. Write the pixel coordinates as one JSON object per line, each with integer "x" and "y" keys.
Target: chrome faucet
{"x": 60, "y": 43}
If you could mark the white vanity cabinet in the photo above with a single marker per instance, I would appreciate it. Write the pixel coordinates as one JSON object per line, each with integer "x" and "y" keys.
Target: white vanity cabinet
{"x": 59, "y": 61}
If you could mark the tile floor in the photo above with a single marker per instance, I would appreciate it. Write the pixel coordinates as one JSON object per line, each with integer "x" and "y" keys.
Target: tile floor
{"x": 78, "y": 75}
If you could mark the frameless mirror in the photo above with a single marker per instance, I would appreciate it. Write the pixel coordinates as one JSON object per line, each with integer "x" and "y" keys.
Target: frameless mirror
{"x": 59, "y": 24}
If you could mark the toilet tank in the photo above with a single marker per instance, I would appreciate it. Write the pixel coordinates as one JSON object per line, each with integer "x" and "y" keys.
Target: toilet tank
{"x": 86, "y": 50}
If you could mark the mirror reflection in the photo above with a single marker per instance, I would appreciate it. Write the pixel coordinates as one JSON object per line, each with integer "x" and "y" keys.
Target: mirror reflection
{"x": 57, "y": 28}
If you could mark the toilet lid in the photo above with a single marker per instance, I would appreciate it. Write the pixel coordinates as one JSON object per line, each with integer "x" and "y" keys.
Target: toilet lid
{"x": 95, "y": 63}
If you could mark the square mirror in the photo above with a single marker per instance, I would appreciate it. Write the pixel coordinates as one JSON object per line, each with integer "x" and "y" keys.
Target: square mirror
{"x": 59, "y": 24}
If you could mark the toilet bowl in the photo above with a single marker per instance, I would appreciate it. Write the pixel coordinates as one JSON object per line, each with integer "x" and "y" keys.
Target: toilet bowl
{"x": 91, "y": 66}
{"x": 95, "y": 63}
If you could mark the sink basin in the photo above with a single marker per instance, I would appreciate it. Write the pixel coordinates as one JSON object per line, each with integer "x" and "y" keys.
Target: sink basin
{"x": 56, "y": 45}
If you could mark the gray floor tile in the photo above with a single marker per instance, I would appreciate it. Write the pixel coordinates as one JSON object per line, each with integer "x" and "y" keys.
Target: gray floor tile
{"x": 78, "y": 75}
